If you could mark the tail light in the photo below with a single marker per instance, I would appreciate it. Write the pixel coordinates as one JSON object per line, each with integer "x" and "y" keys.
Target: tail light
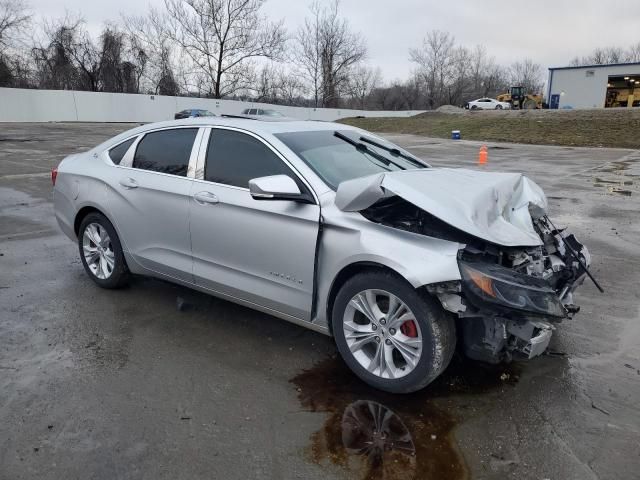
{"x": 54, "y": 175}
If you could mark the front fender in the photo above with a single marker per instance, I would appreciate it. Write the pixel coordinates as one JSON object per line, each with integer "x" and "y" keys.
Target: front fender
{"x": 349, "y": 238}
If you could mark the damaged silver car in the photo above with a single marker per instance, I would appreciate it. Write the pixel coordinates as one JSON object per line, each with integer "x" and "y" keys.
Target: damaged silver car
{"x": 332, "y": 228}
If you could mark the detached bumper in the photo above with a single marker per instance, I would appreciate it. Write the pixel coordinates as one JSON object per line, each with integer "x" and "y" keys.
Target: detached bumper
{"x": 531, "y": 339}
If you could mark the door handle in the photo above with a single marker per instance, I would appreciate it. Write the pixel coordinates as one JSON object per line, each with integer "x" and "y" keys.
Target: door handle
{"x": 205, "y": 198}
{"x": 128, "y": 182}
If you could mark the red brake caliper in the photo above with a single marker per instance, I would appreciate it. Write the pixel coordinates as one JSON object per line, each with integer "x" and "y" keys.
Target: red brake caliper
{"x": 409, "y": 329}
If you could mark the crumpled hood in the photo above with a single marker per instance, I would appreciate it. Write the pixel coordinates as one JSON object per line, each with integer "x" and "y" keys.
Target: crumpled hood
{"x": 488, "y": 205}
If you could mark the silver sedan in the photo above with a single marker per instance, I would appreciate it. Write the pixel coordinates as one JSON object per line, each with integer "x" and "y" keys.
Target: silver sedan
{"x": 332, "y": 228}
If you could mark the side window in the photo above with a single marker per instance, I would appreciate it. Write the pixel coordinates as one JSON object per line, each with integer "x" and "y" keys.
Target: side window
{"x": 117, "y": 152}
{"x": 166, "y": 151}
{"x": 234, "y": 158}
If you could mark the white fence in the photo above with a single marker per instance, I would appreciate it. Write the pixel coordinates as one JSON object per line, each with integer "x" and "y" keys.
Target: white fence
{"x": 22, "y": 105}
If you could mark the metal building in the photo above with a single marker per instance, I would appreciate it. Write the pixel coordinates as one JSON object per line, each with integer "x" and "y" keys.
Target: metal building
{"x": 594, "y": 86}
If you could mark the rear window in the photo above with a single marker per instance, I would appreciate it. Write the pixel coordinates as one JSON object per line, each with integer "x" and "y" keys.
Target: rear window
{"x": 166, "y": 151}
{"x": 117, "y": 152}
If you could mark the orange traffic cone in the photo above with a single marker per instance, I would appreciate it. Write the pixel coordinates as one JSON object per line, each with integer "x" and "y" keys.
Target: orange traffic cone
{"x": 483, "y": 155}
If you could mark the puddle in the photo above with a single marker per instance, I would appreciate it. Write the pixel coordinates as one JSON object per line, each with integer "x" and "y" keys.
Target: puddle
{"x": 628, "y": 168}
{"x": 378, "y": 435}
{"x": 625, "y": 171}
{"x": 499, "y": 147}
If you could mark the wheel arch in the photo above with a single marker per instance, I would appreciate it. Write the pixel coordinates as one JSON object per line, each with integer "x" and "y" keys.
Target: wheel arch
{"x": 349, "y": 271}
{"x": 91, "y": 208}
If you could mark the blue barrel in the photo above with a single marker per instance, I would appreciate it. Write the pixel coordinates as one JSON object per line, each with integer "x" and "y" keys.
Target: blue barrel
{"x": 455, "y": 134}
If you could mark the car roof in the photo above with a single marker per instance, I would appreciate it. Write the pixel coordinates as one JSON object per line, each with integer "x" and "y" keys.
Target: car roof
{"x": 259, "y": 127}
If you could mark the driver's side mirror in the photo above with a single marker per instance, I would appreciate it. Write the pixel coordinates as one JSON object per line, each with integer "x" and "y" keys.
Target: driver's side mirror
{"x": 277, "y": 187}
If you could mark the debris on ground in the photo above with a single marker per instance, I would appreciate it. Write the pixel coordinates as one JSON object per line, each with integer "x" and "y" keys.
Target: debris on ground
{"x": 182, "y": 305}
{"x": 449, "y": 109}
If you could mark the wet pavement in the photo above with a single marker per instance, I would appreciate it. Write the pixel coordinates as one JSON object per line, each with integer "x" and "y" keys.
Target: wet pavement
{"x": 157, "y": 381}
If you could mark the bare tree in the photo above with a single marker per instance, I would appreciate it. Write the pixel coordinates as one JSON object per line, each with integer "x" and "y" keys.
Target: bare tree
{"x": 326, "y": 51}
{"x": 308, "y": 52}
{"x": 276, "y": 85}
{"x": 633, "y": 53}
{"x": 55, "y": 67}
{"x": 361, "y": 82}
{"x": 14, "y": 20}
{"x": 222, "y": 38}
{"x": 603, "y": 56}
{"x": 434, "y": 59}
{"x": 528, "y": 74}
{"x": 150, "y": 44}
{"x": 111, "y": 64}
{"x": 86, "y": 55}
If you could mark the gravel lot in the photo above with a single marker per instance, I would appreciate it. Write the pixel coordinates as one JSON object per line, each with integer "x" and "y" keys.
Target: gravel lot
{"x": 124, "y": 384}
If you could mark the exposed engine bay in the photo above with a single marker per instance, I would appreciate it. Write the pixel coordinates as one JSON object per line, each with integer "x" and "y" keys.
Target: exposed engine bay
{"x": 509, "y": 298}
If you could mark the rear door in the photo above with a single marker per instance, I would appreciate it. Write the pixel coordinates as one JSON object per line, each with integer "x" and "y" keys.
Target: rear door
{"x": 260, "y": 251}
{"x": 149, "y": 200}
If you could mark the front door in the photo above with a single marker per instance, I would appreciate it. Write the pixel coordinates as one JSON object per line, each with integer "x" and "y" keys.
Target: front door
{"x": 149, "y": 201}
{"x": 260, "y": 251}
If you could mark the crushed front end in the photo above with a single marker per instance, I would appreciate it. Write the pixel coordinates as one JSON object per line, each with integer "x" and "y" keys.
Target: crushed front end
{"x": 510, "y": 298}
{"x": 518, "y": 272}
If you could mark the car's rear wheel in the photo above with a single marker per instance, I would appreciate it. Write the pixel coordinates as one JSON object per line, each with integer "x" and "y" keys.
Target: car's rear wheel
{"x": 101, "y": 252}
{"x": 474, "y": 107}
{"x": 498, "y": 107}
{"x": 392, "y": 336}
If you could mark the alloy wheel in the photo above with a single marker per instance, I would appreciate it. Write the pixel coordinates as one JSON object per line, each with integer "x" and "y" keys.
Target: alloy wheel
{"x": 382, "y": 334}
{"x": 98, "y": 251}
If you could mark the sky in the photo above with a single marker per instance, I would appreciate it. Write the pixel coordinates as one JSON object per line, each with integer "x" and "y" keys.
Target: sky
{"x": 551, "y": 32}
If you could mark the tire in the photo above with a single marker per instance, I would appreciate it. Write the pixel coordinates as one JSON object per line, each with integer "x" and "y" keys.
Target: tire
{"x": 108, "y": 250}
{"x": 498, "y": 107}
{"x": 433, "y": 326}
{"x": 474, "y": 107}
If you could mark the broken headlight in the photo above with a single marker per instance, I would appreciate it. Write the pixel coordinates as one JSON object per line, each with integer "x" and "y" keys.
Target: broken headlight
{"x": 488, "y": 285}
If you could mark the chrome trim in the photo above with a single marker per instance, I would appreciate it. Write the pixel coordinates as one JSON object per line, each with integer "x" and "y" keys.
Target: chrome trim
{"x": 202, "y": 154}
{"x": 127, "y": 159}
{"x": 195, "y": 152}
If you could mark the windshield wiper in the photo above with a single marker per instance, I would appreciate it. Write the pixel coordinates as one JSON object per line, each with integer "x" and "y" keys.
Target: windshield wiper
{"x": 361, "y": 147}
{"x": 393, "y": 151}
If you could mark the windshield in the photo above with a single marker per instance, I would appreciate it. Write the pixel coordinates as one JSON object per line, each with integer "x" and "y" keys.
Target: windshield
{"x": 336, "y": 159}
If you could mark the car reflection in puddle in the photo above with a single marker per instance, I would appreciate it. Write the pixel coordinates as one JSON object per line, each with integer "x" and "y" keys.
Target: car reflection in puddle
{"x": 376, "y": 435}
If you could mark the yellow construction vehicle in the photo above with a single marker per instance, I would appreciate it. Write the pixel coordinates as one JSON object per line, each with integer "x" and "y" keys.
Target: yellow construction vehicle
{"x": 520, "y": 99}
{"x": 622, "y": 98}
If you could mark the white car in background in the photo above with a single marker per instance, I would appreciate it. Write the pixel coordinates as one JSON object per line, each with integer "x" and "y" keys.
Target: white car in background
{"x": 487, "y": 104}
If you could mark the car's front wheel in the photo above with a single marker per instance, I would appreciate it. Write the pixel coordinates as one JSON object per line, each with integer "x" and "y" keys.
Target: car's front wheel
{"x": 101, "y": 252}
{"x": 393, "y": 337}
